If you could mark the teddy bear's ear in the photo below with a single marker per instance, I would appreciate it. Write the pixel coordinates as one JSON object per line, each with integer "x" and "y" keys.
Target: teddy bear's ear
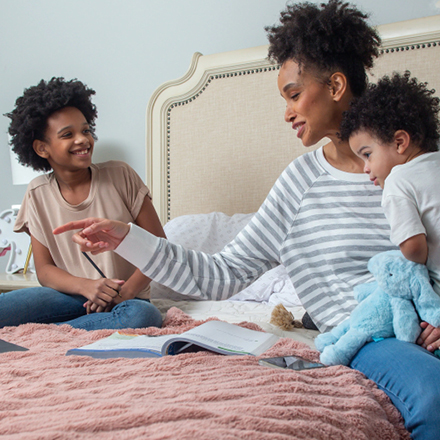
{"x": 378, "y": 262}
{"x": 394, "y": 274}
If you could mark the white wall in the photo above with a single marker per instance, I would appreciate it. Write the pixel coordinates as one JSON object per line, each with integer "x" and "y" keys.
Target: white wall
{"x": 124, "y": 49}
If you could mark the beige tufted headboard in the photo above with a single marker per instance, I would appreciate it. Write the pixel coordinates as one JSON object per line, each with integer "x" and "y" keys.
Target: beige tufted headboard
{"x": 216, "y": 138}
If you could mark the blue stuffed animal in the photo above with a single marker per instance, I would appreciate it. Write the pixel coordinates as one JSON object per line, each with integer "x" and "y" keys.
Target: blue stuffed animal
{"x": 389, "y": 306}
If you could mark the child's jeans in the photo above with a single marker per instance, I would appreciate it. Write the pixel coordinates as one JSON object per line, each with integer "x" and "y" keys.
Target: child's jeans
{"x": 47, "y": 306}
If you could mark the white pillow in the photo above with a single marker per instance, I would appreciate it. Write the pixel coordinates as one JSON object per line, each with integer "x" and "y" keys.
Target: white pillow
{"x": 205, "y": 232}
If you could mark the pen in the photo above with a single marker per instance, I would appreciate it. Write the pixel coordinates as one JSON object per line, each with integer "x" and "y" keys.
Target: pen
{"x": 94, "y": 265}
{"x": 99, "y": 271}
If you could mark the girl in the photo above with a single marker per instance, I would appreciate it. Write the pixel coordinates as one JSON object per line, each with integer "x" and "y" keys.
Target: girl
{"x": 52, "y": 129}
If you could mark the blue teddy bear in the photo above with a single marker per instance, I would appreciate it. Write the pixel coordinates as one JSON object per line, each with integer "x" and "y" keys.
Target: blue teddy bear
{"x": 389, "y": 306}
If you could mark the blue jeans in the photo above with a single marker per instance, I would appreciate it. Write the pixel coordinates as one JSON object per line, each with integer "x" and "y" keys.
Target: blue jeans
{"x": 410, "y": 376}
{"x": 43, "y": 305}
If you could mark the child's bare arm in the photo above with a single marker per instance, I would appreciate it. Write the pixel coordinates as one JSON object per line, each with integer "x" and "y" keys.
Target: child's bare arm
{"x": 415, "y": 249}
{"x": 100, "y": 292}
{"x": 114, "y": 232}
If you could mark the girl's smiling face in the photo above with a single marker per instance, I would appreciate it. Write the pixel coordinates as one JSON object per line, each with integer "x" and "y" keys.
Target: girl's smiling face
{"x": 310, "y": 103}
{"x": 68, "y": 143}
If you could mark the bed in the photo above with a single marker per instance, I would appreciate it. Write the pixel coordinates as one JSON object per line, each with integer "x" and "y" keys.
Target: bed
{"x": 216, "y": 142}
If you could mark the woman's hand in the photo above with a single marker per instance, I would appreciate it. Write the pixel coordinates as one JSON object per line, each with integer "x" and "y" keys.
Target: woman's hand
{"x": 430, "y": 337}
{"x": 97, "y": 235}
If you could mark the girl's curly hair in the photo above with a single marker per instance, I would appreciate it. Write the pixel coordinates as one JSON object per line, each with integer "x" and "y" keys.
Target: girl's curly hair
{"x": 327, "y": 38}
{"x": 29, "y": 117}
{"x": 396, "y": 103}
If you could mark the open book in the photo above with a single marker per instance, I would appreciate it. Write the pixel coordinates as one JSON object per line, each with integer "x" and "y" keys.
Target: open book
{"x": 217, "y": 336}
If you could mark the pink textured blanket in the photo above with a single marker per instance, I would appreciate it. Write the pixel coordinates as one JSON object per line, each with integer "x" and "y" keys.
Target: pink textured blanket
{"x": 47, "y": 395}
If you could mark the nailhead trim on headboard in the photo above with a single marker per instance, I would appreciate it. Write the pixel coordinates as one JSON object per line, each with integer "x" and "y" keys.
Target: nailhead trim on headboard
{"x": 189, "y": 100}
{"x": 412, "y": 47}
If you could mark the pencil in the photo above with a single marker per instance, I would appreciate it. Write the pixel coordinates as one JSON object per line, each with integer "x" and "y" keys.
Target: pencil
{"x": 100, "y": 272}
{"x": 94, "y": 265}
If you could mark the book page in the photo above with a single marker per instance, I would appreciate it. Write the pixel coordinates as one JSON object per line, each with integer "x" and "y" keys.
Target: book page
{"x": 225, "y": 338}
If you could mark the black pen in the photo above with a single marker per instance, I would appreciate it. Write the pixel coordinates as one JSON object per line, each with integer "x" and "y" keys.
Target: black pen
{"x": 94, "y": 265}
{"x": 100, "y": 271}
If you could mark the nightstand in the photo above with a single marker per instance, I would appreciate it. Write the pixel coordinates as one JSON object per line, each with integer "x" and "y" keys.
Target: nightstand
{"x": 17, "y": 281}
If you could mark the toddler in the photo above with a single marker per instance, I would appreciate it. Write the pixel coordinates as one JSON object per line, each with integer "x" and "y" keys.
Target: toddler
{"x": 394, "y": 128}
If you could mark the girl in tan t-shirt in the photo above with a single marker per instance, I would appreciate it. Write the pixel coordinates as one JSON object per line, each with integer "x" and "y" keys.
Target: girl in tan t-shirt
{"x": 52, "y": 129}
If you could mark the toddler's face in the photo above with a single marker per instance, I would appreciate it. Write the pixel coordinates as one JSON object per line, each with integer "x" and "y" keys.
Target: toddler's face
{"x": 379, "y": 158}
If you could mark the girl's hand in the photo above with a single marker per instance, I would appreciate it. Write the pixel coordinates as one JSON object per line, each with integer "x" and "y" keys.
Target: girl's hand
{"x": 94, "y": 308}
{"x": 100, "y": 292}
{"x": 430, "y": 337}
{"x": 97, "y": 235}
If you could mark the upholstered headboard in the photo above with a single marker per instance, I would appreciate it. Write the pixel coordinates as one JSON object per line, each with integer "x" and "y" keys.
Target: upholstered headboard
{"x": 216, "y": 138}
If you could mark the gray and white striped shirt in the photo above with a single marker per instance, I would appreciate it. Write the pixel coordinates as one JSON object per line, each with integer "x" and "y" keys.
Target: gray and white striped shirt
{"x": 321, "y": 223}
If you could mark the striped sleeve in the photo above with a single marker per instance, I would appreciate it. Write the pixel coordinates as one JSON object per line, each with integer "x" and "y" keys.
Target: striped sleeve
{"x": 194, "y": 273}
{"x": 255, "y": 250}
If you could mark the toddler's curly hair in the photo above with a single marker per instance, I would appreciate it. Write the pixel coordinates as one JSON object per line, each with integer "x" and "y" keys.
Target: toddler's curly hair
{"x": 396, "y": 103}
{"x": 334, "y": 36}
{"x": 29, "y": 117}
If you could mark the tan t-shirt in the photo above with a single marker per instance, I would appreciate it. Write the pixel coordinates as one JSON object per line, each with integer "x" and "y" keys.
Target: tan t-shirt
{"x": 116, "y": 192}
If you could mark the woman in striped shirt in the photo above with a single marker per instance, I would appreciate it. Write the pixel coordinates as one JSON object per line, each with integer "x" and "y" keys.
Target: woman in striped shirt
{"x": 322, "y": 219}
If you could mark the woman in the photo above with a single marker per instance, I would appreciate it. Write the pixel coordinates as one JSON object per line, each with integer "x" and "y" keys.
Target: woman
{"x": 322, "y": 219}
